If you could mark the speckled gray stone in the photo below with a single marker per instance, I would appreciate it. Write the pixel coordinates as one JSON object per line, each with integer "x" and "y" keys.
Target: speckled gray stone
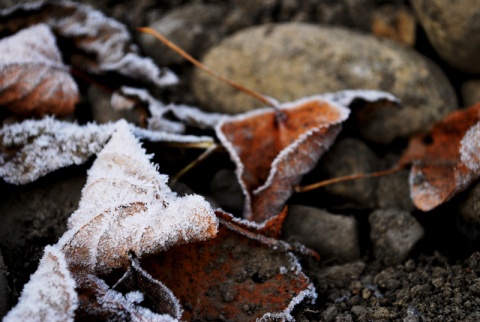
{"x": 193, "y": 27}
{"x": 333, "y": 236}
{"x": 293, "y": 60}
{"x": 471, "y": 92}
{"x": 469, "y": 209}
{"x": 394, "y": 233}
{"x": 351, "y": 156}
{"x": 453, "y": 28}
{"x": 393, "y": 191}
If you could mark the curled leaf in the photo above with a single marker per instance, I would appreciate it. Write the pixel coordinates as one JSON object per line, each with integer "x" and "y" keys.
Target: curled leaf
{"x": 102, "y": 44}
{"x": 33, "y": 78}
{"x": 127, "y": 206}
{"x": 445, "y": 160}
{"x": 287, "y": 147}
{"x": 159, "y": 112}
{"x": 50, "y": 294}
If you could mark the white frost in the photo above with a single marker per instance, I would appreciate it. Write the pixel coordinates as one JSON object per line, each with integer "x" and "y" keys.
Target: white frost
{"x": 126, "y": 205}
{"x": 470, "y": 148}
{"x": 50, "y": 294}
{"x": 43, "y": 146}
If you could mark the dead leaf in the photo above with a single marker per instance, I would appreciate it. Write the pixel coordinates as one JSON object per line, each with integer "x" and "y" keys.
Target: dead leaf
{"x": 127, "y": 206}
{"x": 32, "y": 149}
{"x": 128, "y": 98}
{"x": 240, "y": 275}
{"x": 272, "y": 156}
{"x": 101, "y": 44}
{"x": 445, "y": 160}
{"x": 33, "y": 78}
{"x": 50, "y": 294}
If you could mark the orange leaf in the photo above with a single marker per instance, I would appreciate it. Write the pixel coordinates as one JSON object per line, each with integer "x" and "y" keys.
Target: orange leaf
{"x": 33, "y": 79}
{"x": 273, "y": 153}
{"x": 445, "y": 160}
{"x": 239, "y": 274}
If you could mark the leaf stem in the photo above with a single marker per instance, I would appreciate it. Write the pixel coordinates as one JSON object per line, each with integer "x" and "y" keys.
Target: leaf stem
{"x": 195, "y": 162}
{"x": 324, "y": 183}
{"x": 207, "y": 69}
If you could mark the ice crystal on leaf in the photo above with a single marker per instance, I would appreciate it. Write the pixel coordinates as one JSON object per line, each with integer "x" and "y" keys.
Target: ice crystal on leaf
{"x": 33, "y": 78}
{"x": 50, "y": 294}
{"x": 102, "y": 44}
{"x": 32, "y": 149}
{"x": 126, "y": 205}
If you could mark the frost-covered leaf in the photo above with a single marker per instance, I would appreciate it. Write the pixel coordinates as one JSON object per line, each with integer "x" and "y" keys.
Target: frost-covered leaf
{"x": 272, "y": 154}
{"x": 50, "y": 294}
{"x": 126, "y": 97}
{"x": 126, "y": 205}
{"x": 240, "y": 274}
{"x": 31, "y": 149}
{"x": 446, "y": 159}
{"x": 33, "y": 78}
{"x": 102, "y": 44}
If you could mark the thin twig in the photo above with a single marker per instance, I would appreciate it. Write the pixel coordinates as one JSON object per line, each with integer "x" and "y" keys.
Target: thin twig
{"x": 195, "y": 162}
{"x": 208, "y": 70}
{"x": 347, "y": 178}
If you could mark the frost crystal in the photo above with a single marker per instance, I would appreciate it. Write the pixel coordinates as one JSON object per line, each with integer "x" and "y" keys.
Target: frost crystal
{"x": 50, "y": 294}
{"x": 470, "y": 148}
{"x": 32, "y": 149}
{"x": 126, "y": 205}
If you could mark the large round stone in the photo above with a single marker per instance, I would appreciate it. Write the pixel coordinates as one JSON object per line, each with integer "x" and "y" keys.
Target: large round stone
{"x": 453, "y": 28}
{"x": 292, "y": 60}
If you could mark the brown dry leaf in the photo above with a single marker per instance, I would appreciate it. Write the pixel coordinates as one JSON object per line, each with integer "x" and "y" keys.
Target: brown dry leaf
{"x": 239, "y": 274}
{"x": 445, "y": 160}
{"x": 100, "y": 44}
{"x": 33, "y": 78}
{"x": 272, "y": 156}
{"x": 126, "y": 206}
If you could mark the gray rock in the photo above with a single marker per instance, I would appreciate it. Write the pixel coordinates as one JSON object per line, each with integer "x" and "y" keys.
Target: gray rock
{"x": 393, "y": 192}
{"x": 346, "y": 157}
{"x": 227, "y": 192}
{"x": 471, "y": 92}
{"x": 193, "y": 27}
{"x": 453, "y": 28}
{"x": 292, "y": 60}
{"x": 394, "y": 233}
{"x": 340, "y": 276}
{"x": 470, "y": 208}
{"x": 332, "y": 236}
{"x": 3, "y": 288}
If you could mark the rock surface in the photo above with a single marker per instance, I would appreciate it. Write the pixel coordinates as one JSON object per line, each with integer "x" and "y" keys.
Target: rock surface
{"x": 293, "y": 60}
{"x": 193, "y": 27}
{"x": 393, "y": 191}
{"x": 394, "y": 234}
{"x": 227, "y": 192}
{"x": 333, "y": 236}
{"x": 471, "y": 92}
{"x": 351, "y": 156}
{"x": 453, "y": 28}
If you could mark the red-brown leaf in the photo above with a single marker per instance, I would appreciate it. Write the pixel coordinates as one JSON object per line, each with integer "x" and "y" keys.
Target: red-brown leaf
{"x": 273, "y": 155}
{"x": 239, "y": 274}
{"x": 445, "y": 160}
{"x": 33, "y": 79}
